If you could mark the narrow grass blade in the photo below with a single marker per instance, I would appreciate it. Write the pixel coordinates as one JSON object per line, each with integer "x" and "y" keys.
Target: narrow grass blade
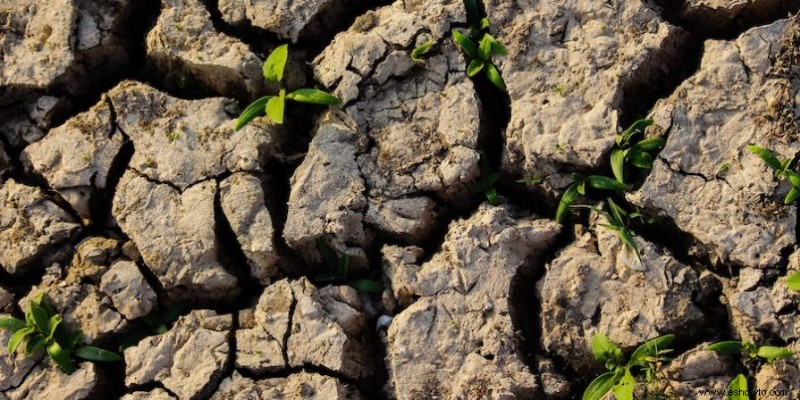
{"x": 600, "y": 386}
{"x": 766, "y": 155}
{"x": 726, "y": 347}
{"x": 252, "y": 111}
{"x": 314, "y": 96}
{"x": 92, "y": 353}
{"x": 566, "y": 201}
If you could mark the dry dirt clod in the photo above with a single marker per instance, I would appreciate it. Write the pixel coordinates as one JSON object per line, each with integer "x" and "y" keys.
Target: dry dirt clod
{"x": 297, "y": 386}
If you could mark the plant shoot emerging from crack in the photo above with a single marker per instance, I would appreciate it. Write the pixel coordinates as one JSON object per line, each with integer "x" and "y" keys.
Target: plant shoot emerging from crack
{"x": 338, "y": 270}
{"x": 420, "y": 51}
{"x": 781, "y": 169}
{"x": 618, "y": 220}
{"x": 42, "y": 329}
{"x": 488, "y": 181}
{"x": 622, "y": 376}
{"x": 273, "y": 106}
{"x": 479, "y": 46}
{"x": 769, "y": 353}
{"x": 630, "y": 152}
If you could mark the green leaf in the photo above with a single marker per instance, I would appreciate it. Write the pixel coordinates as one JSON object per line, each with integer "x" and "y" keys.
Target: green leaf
{"x": 726, "y": 347}
{"x": 60, "y": 357}
{"x": 766, "y": 155}
{"x": 624, "y": 138}
{"x": 620, "y": 215}
{"x": 275, "y": 64}
{"x": 328, "y": 255}
{"x": 485, "y": 48}
{"x": 624, "y": 389}
{"x": 491, "y": 196}
{"x": 39, "y": 318}
{"x": 532, "y": 180}
{"x": 92, "y": 353}
{"x": 651, "y": 348}
{"x": 485, "y": 24}
{"x": 497, "y": 47}
{"x": 605, "y": 183}
{"x": 314, "y": 96}
{"x": 494, "y": 76}
{"x": 252, "y": 111}
{"x": 774, "y": 352}
{"x": 566, "y": 201}
{"x": 794, "y": 281}
{"x": 649, "y": 145}
{"x": 421, "y": 50}
{"x": 618, "y": 164}
{"x": 18, "y": 337}
{"x": 600, "y": 386}
{"x": 34, "y": 344}
{"x": 12, "y": 324}
{"x": 737, "y": 389}
{"x": 366, "y": 285}
{"x": 52, "y": 326}
{"x": 487, "y": 182}
{"x": 42, "y": 301}
{"x": 640, "y": 159}
{"x": 605, "y": 349}
{"x": 627, "y": 239}
{"x": 793, "y": 177}
{"x": 475, "y": 66}
{"x": 793, "y": 194}
{"x": 275, "y": 107}
{"x": 465, "y": 44}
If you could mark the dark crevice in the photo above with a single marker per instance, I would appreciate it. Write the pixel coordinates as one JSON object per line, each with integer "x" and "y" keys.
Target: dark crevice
{"x": 724, "y": 23}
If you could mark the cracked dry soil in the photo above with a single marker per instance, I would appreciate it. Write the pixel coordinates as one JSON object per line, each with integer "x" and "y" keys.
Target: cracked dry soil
{"x": 125, "y": 195}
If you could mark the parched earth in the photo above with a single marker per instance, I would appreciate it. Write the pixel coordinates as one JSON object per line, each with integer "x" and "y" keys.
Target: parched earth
{"x": 125, "y": 194}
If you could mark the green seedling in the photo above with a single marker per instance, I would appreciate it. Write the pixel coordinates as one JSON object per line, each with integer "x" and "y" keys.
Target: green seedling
{"x": 794, "y": 282}
{"x": 737, "y": 389}
{"x": 42, "y": 329}
{"x": 618, "y": 220}
{"x": 421, "y": 50}
{"x": 532, "y": 180}
{"x": 156, "y": 324}
{"x": 479, "y": 46}
{"x": 769, "y": 353}
{"x": 488, "y": 181}
{"x": 630, "y": 152}
{"x": 273, "y": 106}
{"x": 622, "y": 376}
{"x": 338, "y": 268}
{"x": 782, "y": 171}
{"x": 561, "y": 90}
{"x": 578, "y": 188}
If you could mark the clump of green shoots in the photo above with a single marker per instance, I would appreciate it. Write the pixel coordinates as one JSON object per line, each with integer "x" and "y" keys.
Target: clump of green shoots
{"x": 632, "y": 151}
{"x": 338, "y": 270}
{"x": 618, "y": 221}
{"x": 769, "y": 353}
{"x": 273, "y": 106}
{"x": 479, "y": 46}
{"x": 578, "y": 188}
{"x": 782, "y": 171}
{"x": 622, "y": 375}
{"x": 42, "y": 329}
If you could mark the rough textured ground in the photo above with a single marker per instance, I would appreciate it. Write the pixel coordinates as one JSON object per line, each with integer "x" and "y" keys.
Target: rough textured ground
{"x": 126, "y": 196}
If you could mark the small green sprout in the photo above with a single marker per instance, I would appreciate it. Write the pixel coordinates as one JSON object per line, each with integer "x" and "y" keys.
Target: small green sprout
{"x": 421, "y": 50}
{"x": 488, "y": 181}
{"x": 578, "y": 188}
{"x": 561, "y": 90}
{"x": 794, "y": 282}
{"x": 637, "y": 153}
{"x": 479, "y": 46}
{"x": 769, "y": 353}
{"x": 618, "y": 220}
{"x": 338, "y": 268}
{"x": 273, "y": 106}
{"x": 737, "y": 389}
{"x": 622, "y": 376}
{"x": 174, "y": 135}
{"x": 723, "y": 168}
{"x": 42, "y": 329}
{"x": 782, "y": 171}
